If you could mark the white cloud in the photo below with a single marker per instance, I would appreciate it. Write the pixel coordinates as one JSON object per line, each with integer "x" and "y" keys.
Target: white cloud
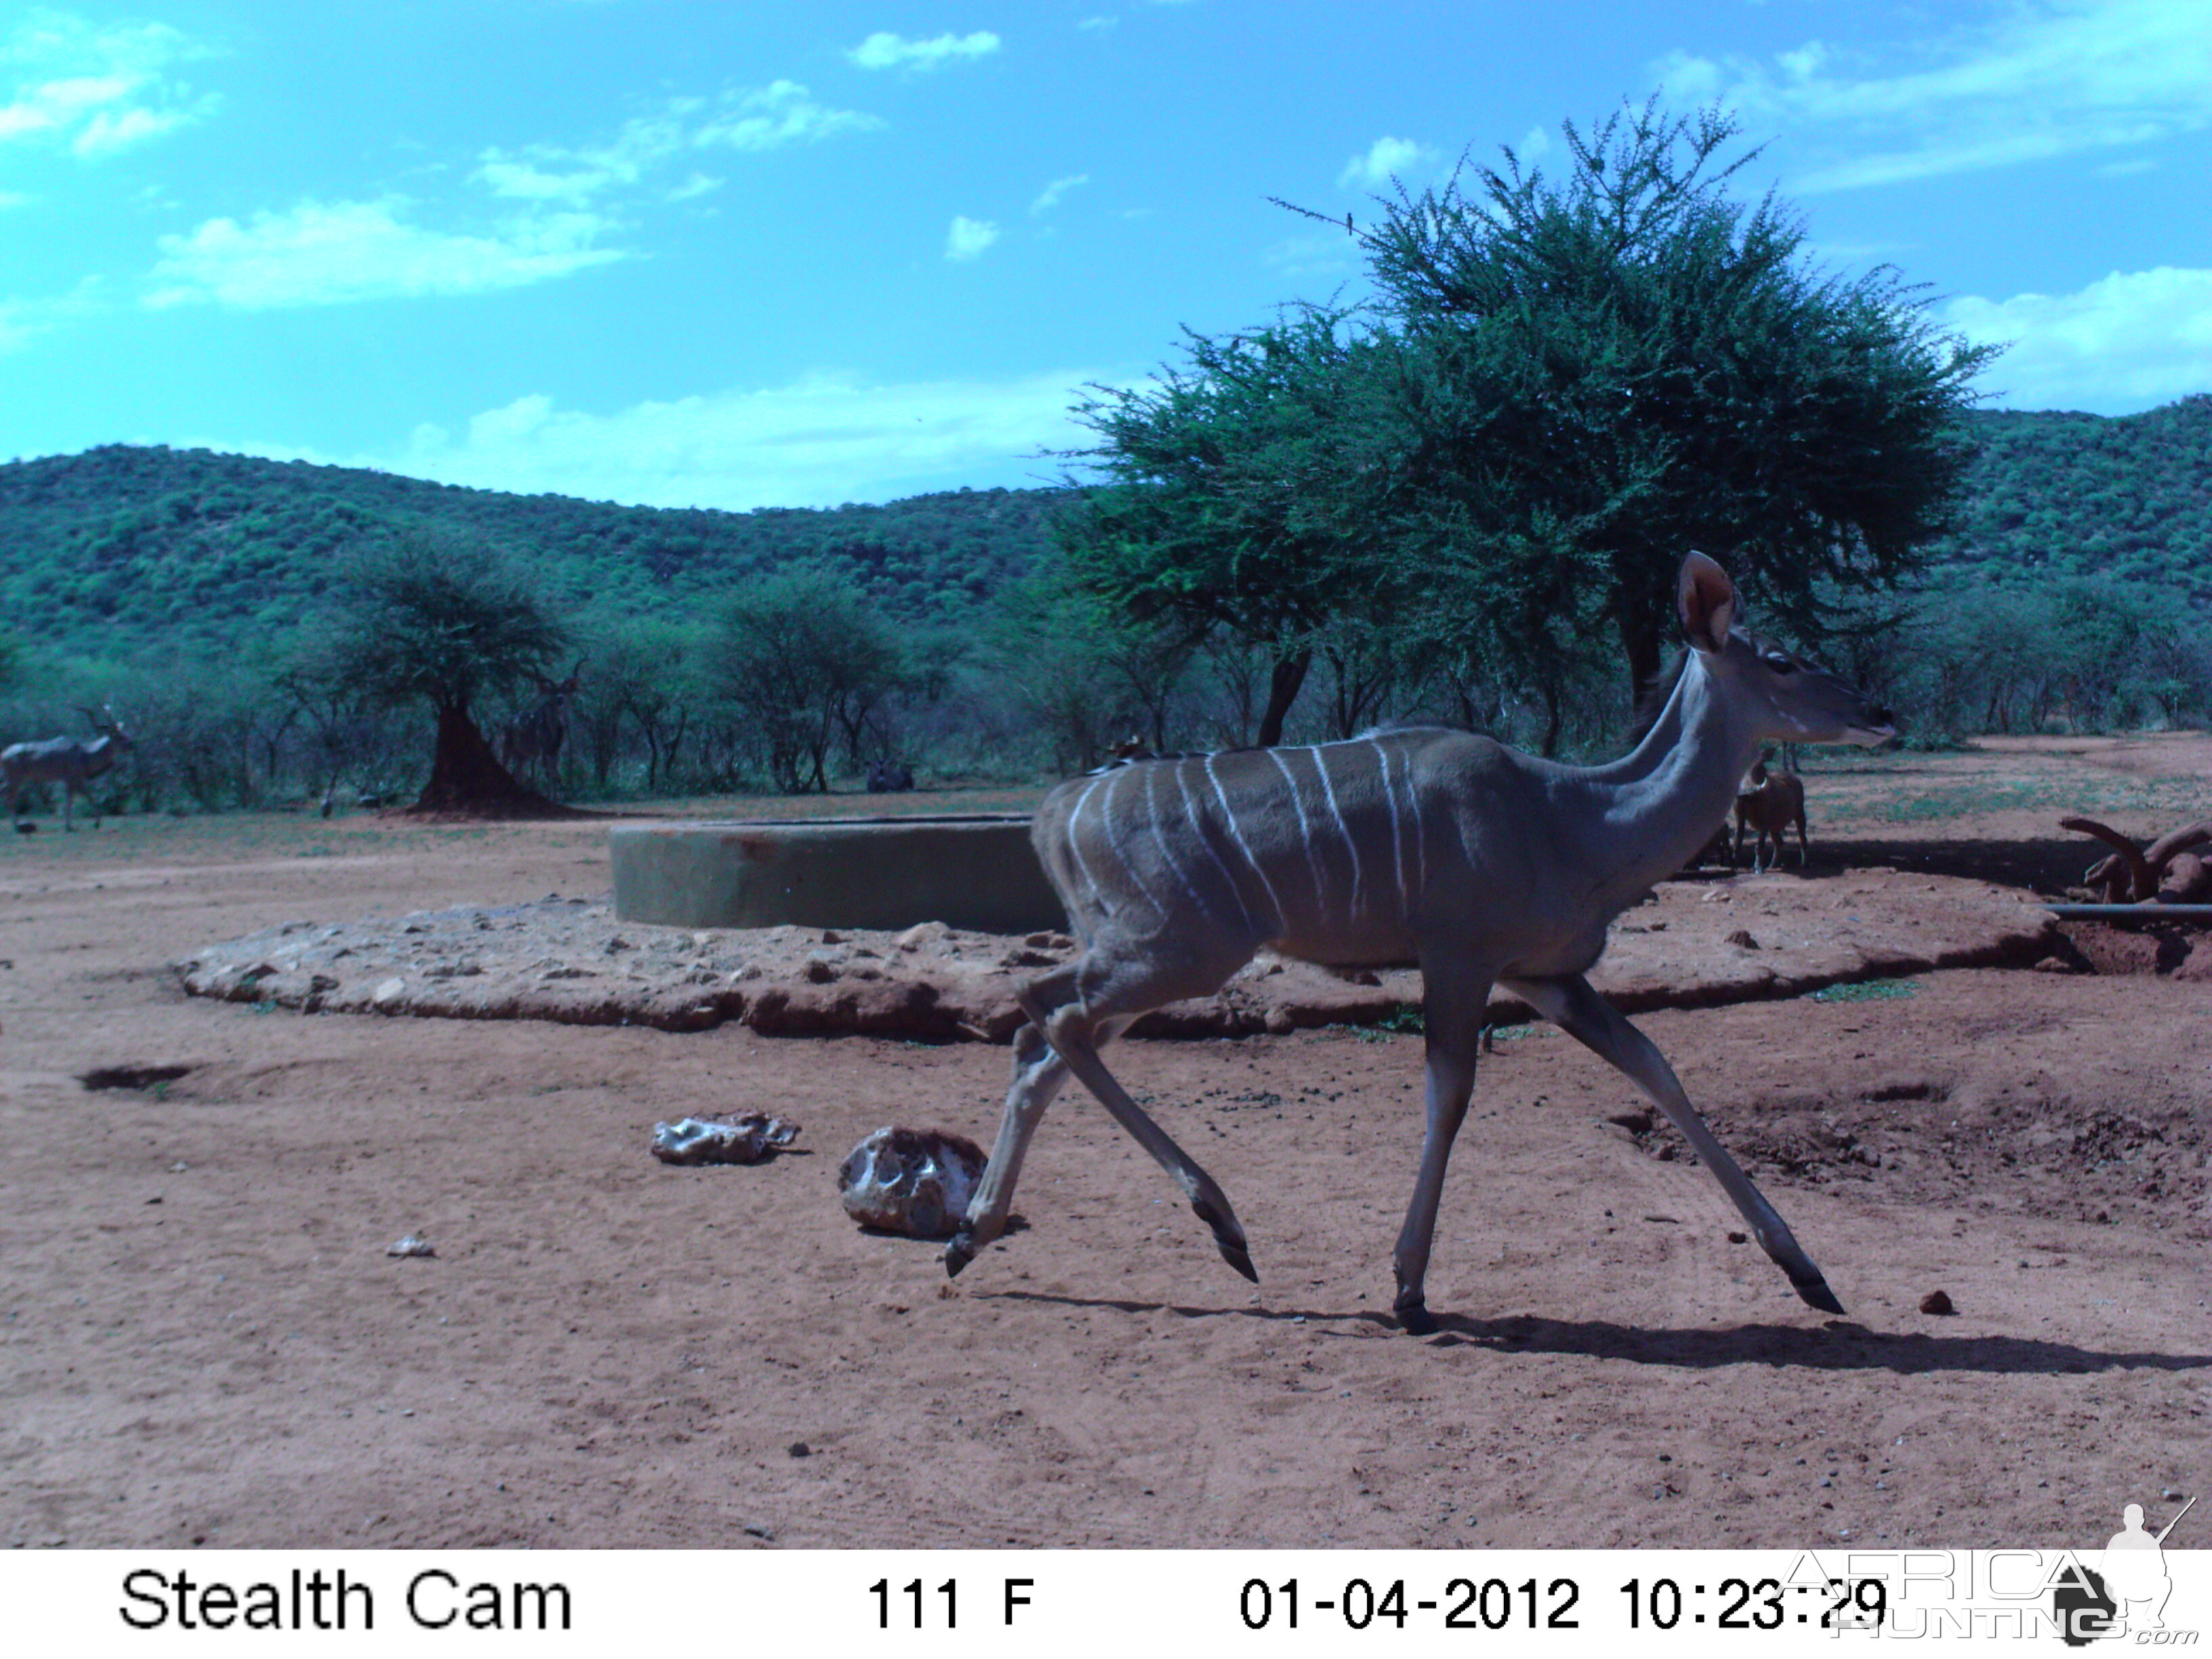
{"x": 1383, "y": 159}
{"x": 884, "y": 50}
{"x": 1299, "y": 257}
{"x": 96, "y": 88}
{"x": 1096, "y": 24}
{"x": 22, "y": 321}
{"x": 968, "y": 237}
{"x": 783, "y": 112}
{"x": 823, "y": 440}
{"x": 552, "y": 172}
{"x": 2038, "y": 81}
{"x": 1050, "y": 196}
{"x": 1535, "y": 145}
{"x": 2129, "y": 342}
{"x": 698, "y": 184}
{"x": 759, "y": 118}
{"x": 333, "y": 254}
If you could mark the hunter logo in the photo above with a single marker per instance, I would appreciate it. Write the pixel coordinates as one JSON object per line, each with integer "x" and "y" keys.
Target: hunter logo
{"x": 2127, "y": 1597}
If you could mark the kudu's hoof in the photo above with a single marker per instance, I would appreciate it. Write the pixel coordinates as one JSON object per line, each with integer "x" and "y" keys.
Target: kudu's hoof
{"x": 1227, "y": 1238}
{"x": 1816, "y": 1291}
{"x": 1415, "y": 1319}
{"x": 959, "y": 1254}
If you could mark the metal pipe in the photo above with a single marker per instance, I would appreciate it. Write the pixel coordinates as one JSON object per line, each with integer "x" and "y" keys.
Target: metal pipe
{"x": 2131, "y": 912}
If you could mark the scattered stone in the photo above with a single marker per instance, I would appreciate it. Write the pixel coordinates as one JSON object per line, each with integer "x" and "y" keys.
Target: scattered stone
{"x": 914, "y": 1181}
{"x": 1938, "y": 1302}
{"x": 800, "y": 1449}
{"x": 699, "y": 1141}
{"x": 1742, "y": 936}
{"x": 413, "y": 1244}
{"x": 559, "y": 960}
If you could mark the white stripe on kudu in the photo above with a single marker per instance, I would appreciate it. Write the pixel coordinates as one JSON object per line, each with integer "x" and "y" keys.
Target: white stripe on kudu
{"x": 1350, "y": 845}
{"x": 1397, "y": 830}
{"x": 1244, "y": 846}
{"x": 1167, "y": 852}
{"x": 1075, "y": 838}
{"x": 1197, "y": 828}
{"x": 1115, "y": 821}
{"x": 1533, "y": 861}
{"x": 1414, "y": 798}
{"x": 1305, "y": 830}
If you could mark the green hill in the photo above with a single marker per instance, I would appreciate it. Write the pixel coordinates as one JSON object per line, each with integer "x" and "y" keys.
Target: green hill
{"x": 2129, "y": 497}
{"x": 123, "y": 548}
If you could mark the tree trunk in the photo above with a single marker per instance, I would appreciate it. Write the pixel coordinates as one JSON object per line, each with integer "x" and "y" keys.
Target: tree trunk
{"x": 467, "y": 777}
{"x": 1283, "y": 683}
{"x": 1554, "y": 711}
{"x": 1640, "y": 639}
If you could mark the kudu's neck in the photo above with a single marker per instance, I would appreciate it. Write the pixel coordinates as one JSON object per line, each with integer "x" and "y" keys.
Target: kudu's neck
{"x": 1662, "y": 801}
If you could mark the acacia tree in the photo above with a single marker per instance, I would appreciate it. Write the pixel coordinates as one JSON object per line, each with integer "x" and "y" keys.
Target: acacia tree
{"x": 426, "y": 620}
{"x": 1242, "y": 496}
{"x": 804, "y": 659}
{"x": 1080, "y": 674}
{"x": 1599, "y": 373}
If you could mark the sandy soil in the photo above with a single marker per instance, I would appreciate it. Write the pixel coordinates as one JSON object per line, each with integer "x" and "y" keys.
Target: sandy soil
{"x": 205, "y": 1341}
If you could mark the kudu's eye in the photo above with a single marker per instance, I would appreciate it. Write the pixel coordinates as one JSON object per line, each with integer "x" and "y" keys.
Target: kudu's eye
{"x": 1780, "y": 663}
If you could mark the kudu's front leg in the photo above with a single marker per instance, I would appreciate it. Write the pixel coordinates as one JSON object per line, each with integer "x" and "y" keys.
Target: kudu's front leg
{"x": 1579, "y": 1011}
{"x": 1451, "y": 1018}
{"x": 1039, "y": 1074}
{"x": 1071, "y": 1037}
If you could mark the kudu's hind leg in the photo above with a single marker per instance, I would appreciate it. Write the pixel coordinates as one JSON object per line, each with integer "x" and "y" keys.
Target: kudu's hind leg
{"x": 1580, "y": 1011}
{"x": 1075, "y": 1028}
{"x": 1071, "y": 1035}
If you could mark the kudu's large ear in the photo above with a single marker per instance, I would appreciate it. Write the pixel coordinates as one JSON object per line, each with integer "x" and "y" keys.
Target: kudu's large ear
{"x": 1706, "y": 599}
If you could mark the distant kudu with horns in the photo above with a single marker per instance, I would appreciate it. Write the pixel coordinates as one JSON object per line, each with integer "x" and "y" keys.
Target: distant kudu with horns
{"x": 532, "y": 739}
{"x": 67, "y": 761}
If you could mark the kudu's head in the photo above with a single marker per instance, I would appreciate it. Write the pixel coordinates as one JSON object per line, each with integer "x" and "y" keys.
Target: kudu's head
{"x": 108, "y": 726}
{"x": 1775, "y": 695}
{"x": 560, "y": 690}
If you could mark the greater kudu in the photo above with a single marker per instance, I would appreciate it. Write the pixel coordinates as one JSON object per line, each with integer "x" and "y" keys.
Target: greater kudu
{"x": 67, "y": 761}
{"x": 531, "y": 740}
{"x": 1484, "y": 865}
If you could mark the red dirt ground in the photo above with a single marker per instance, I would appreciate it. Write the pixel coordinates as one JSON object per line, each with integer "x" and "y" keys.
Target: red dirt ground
{"x": 205, "y": 1341}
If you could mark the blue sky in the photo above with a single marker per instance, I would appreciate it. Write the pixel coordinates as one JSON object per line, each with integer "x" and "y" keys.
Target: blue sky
{"x": 754, "y": 254}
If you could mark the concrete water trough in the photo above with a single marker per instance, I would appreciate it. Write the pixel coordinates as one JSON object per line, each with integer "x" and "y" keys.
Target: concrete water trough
{"x": 976, "y": 872}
